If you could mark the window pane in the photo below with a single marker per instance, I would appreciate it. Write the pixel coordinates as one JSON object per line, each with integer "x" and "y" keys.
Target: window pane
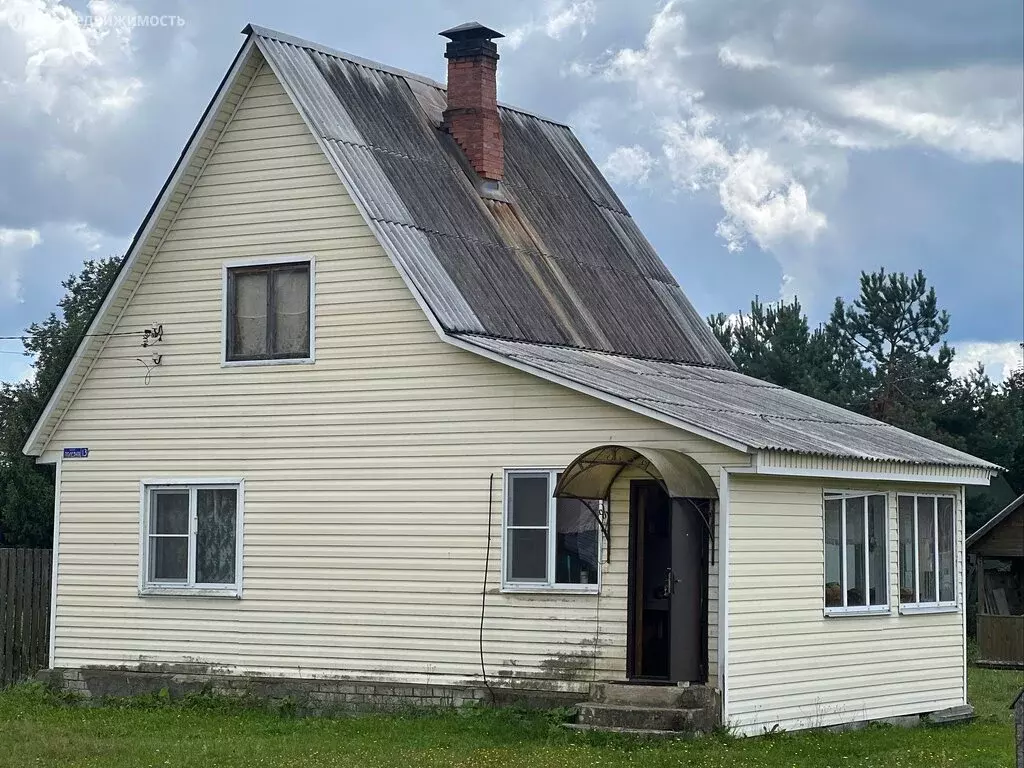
{"x": 908, "y": 585}
{"x": 168, "y": 558}
{"x": 926, "y": 548}
{"x": 947, "y": 558}
{"x": 833, "y": 552}
{"x": 291, "y": 311}
{"x": 576, "y": 542}
{"x": 215, "y": 536}
{"x": 856, "y": 575}
{"x": 250, "y": 314}
{"x": 527, "y": 554}
{"x": 170, "y": 512}
{"x": 878, "y": 589}
{"x": 530, "y": 499}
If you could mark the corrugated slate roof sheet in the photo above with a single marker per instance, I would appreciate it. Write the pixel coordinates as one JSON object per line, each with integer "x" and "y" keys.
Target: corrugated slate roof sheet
{"x": 734, "y": 406}
{"x": 553, "y": 272}
{"x": 555, "y": 259}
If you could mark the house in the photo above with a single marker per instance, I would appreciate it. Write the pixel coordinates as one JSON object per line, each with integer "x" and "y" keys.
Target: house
{"x": 421, "y": 413}
{"x": 997, "y": 552}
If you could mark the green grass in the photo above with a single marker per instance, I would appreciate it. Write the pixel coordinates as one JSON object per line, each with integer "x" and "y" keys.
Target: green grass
{"x": 38, "y": 730}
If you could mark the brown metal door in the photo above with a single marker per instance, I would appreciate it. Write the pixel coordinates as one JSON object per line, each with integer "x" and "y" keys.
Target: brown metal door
{"x": 667, "y": 582}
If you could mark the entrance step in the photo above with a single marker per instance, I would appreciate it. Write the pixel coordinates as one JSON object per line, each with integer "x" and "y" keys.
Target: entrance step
{"x": 670, "y": 696}
{"x": 689, "y": 721}
{"x": 654, "y": 710}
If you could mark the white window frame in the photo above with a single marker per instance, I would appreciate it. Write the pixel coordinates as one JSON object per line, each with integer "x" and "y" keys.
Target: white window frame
{"x": 549, "y": 585}
{"x": 267, "y": 261}
{"x": 189, "y": 587}
{"x": 857, "y": 610}
{"x": 929, "y": 606}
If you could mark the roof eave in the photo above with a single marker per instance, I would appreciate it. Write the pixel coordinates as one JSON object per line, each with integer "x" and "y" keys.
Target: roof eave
{"x": 995, "y": 520}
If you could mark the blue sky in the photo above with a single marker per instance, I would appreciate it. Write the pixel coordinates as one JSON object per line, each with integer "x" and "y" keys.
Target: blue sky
{"x": 773, "y": 148}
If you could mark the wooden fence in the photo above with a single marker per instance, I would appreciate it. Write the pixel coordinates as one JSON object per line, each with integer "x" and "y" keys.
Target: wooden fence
{"x": 24, "y": 612}
{"x": 1000, "y": 640}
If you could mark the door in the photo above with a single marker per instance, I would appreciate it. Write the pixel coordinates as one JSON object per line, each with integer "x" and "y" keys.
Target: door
{"x": 667, "y": 586}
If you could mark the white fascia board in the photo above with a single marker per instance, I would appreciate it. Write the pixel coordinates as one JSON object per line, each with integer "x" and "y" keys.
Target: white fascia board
{"x": 32, "y": 445}
{"x": 982, "y": 476}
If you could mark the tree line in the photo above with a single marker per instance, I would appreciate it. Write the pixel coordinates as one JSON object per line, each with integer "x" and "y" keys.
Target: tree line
{"x": 883, "y": 355}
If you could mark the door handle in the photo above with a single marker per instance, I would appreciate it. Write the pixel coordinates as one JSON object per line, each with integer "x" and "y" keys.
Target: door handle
{"x": 670, "y": 582}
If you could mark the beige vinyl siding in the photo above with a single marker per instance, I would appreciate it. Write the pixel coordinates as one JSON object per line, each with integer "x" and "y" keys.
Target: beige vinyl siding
{"x": 791, "y": 666}
{"x": 366, "y": 473}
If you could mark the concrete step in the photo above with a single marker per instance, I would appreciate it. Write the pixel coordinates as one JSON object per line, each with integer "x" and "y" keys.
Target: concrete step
{"x": 639, "y": 732}
{"x": 690, "y": 721}
{"x": 672, "y": 696}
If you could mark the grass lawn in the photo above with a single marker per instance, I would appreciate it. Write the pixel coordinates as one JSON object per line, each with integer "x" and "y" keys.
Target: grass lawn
{"x": 36, "y": 730}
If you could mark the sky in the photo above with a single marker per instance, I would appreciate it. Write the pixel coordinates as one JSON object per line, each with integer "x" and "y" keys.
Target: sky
{"x": 774, "y": 148}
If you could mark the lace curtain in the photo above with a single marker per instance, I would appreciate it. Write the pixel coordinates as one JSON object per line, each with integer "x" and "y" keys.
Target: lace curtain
{"x": 215, "y": 535}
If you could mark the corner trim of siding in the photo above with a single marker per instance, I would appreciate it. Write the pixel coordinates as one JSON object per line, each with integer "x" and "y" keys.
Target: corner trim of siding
{"x": 53, "y": 566}
{"x": 723, "y": 588}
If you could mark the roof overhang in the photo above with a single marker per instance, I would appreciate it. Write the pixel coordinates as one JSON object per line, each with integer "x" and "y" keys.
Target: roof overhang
{"x": 592, "y": 474}
{"x": 995, "y": 520}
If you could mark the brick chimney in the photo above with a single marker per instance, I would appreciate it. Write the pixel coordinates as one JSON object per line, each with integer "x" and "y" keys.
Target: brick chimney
{"x": 472, "y": 113}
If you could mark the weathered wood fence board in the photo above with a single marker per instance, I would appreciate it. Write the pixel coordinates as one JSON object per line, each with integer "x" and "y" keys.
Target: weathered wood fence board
{"x": 1000, "y": 640}
{"x": 24, "y": 612}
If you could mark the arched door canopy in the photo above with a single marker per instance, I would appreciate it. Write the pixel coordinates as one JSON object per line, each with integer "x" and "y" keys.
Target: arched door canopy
{"x": 591, "y": 474}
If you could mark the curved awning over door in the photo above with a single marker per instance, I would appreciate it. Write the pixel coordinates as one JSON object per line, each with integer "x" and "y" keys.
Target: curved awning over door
{"x": 591, "y": 474}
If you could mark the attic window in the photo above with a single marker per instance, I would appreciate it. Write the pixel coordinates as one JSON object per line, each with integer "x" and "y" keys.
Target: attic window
{"x": 268, "y": 311}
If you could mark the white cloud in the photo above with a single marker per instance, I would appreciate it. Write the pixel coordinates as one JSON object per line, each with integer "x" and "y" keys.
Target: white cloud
{"x": 628, "y": 165}
{"x": 557, "y": 18}
{"x": 999, "y": 358}
{"x": 13, "y": 244}
{"x": 73, "y": 68}
{"x": 91, "y": 239}
{"x": 971, "y": 112}
{"x": 750, "y": 108}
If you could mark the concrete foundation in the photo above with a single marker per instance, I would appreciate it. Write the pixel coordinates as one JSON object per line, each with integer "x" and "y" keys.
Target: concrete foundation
{"x": 313, "y": 696}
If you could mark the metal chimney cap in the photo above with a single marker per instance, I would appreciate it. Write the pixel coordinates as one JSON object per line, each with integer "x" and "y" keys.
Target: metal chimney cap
{"x": 471, "y": 30}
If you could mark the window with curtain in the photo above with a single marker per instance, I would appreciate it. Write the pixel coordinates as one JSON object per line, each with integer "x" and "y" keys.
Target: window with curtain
{"x": 927, "y": 551}
{"x": 856, "y": 553}
{"x": 269, "y": 312}
{"x": 192, "y": 537}
{"x": 549, "y": 543}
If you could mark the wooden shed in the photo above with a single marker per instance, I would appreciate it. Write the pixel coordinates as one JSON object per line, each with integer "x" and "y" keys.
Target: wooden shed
{"x": 997, "y": 549}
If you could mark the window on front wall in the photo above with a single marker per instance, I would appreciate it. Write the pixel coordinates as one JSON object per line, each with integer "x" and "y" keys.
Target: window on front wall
{"x": 268, "y": 312}
{"x": 927, "y": 551}
{"x": 191, "y": 536}
{"x": 548, "y": 542}
{"x": 856, "y": 565}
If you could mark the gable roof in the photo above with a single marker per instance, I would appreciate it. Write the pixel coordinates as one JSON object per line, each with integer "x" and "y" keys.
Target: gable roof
{"x": 995, "y": 520}
{"x": 547, "y": 273}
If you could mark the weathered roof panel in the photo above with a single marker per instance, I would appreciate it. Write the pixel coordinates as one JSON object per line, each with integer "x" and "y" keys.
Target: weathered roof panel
{"x": 558, "y": 260}
{"x": 734, "y": 406}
